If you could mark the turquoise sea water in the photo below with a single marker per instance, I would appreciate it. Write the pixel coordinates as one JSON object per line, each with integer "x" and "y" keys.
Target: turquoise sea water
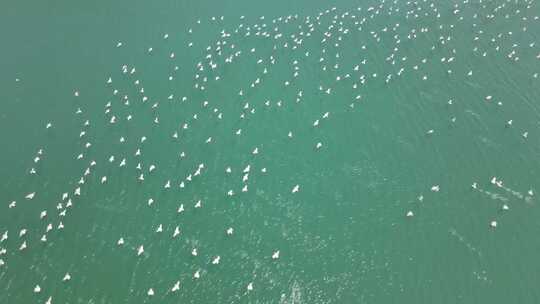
{"x": 345, "y": 236}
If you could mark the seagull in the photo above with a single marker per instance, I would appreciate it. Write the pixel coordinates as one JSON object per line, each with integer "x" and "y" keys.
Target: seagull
{"x": 140, "y": 250}
{"x": 295, "y": 189}
{"x": 176, "y": 286}
{"x": 216, "y": 260}
{"x": 250, "y": 287}
{"x": 37, "y": 289}
{"x": 176, "y": 232}
{"x": 410, "y": 214}
{"x": 493, "y": 224}
{"x": 67, "y": 277}
{"x": 120, "y": 242}
{"x": 275, "y": 255}
{"x": 230, "y": 231}
{"x": 30, "y": 196}
{"x": 150, "y": 292}
{"x": 197, "y": 274}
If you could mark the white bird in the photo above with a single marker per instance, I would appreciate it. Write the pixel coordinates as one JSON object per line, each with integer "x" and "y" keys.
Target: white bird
{"x": 140, "y": 250}
{"x": 275, "y": 255}
{"x": 37, "y": 289}
{"x": 493, "y": 224}
{"x": 150, "y": 292}
{"x": 216, "y": 260}
{"x": 250, "y": 287}
{"x": 295, "y": 189}
{"x": 30, "y": 196}
{"x": 4, "y": 236}
{"x": 176, "y": 232}
{"x": 159, "y": 228}
{"x": 194, "y": 252}
{"x": 176, "y": 286}
{"x": 410, "y": 214}
{"x": 435, "y": 188}
{"x": 198, "y": 204}
{"x": 197, "y": 274}
{"x": 181, "y": 208}
{"x": 505, "y": 207}
{"x": 67, "y": 277}
{"x": 230, "y": 231}
{"x": 120, "y": 241}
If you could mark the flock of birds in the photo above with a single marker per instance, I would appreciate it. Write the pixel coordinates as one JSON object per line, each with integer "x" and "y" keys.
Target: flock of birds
{"x": 286, "y": 48}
